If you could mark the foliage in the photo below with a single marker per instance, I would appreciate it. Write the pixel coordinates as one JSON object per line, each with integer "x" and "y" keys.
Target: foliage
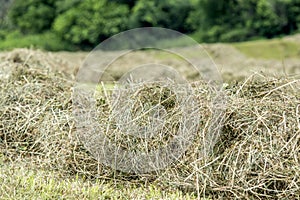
{"x": 101, "y": 20}
{"x": 171, "y": 14}
{"x": 86, "y": 23}
{"x": 237, "y": 20}
{"x": 32, "y": 16}
{"x": 130, "y": 3}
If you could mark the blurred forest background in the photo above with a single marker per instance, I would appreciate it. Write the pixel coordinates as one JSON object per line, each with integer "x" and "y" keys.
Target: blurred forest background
{"x": 81, "y": 25}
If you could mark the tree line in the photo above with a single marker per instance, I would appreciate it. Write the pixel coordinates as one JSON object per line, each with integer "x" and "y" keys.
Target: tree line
{"x": 88, "y": 22}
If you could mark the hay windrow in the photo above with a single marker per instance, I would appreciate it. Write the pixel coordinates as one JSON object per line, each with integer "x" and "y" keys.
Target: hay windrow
{"x": 256, "y": 156}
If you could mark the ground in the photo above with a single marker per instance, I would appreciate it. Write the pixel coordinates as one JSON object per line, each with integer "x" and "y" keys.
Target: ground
{"x": 258, "y": 155}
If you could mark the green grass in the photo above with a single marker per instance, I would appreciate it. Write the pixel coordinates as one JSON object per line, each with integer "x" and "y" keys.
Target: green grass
{"x": 269, "y": 49}
{"x": 46, "y": 41}
{"x": 19, "y": 182}
{"x": 179, "y": 41}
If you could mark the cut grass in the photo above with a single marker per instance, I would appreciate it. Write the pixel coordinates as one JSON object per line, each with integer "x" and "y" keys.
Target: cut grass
{"x": 256, "y": 156}
{"x": 269, "y": 49}
{"x": 21, "y": 182}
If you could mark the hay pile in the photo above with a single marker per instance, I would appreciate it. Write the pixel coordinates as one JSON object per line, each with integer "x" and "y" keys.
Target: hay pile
{"x": 257, "y": 154}
{"x": 35, "y": 113}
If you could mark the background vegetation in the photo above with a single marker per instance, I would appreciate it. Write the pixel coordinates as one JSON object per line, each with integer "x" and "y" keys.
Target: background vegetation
{"x": 83, "y": 24}
{"x": 257, "y": 153}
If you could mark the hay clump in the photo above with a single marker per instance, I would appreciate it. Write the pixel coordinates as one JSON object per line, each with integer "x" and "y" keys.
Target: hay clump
{"x": 256, "y": 156}
{"x": 259, "y": 148}
{"x": 36, "y": 116}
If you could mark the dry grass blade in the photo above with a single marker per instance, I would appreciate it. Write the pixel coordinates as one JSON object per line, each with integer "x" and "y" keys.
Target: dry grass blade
{"x": 256, "y": 156}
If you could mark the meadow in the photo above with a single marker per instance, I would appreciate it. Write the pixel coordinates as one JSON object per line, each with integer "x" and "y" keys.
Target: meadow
{"x": 256, "y": 155}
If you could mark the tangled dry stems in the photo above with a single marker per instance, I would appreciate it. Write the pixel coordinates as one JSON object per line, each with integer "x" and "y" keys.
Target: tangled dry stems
{"x": 257, "y": 154}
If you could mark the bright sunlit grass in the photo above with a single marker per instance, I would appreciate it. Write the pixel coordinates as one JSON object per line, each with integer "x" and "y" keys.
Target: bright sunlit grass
{"x": 19, "y": 182}
{"x": 269, "y": 49}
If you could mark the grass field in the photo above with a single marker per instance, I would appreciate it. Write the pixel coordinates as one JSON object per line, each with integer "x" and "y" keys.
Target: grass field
{"x": 256, "y": 155}
{"x": 270, "y": 49}
{"x": 47, "y": 41}
{"x": 21, "y": 182}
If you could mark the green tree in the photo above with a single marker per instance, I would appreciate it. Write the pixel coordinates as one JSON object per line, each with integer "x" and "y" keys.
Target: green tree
{"x": 91, "y": 21}
{"x": 266, "y": 22}
{"x": 237, "y": 20}
{"x": 130, "y": 3}
{"x": 290, "y": 11}
{"x": 64, "y": 5}
{"x": 86, "y": 23}
{"x": 218, "y": 20}
{"x": 162, "y": 13}
{"x": 32, "y": 16}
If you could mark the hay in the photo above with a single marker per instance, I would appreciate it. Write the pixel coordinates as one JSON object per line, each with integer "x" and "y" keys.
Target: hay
{"x": 256, "y": 156}
{"x": 35, "y": 113}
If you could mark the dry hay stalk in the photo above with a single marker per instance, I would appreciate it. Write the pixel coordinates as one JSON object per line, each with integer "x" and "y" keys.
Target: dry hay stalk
{"x": 257, "y": 154}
